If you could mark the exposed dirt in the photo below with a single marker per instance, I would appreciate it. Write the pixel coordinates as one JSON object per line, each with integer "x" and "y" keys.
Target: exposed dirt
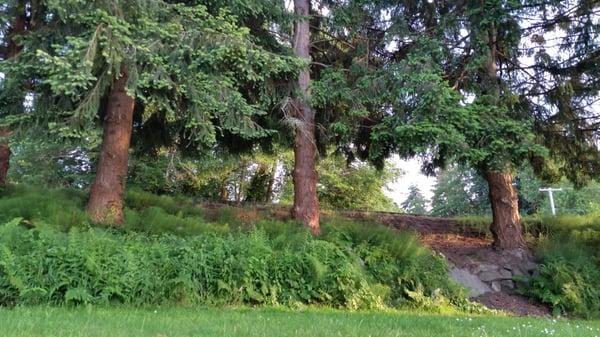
{"x": 463, "y": 249}
{"x": 512, "y": 303}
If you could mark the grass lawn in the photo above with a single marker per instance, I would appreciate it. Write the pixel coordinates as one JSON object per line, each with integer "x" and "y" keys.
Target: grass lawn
{"x": 167, "y": 322}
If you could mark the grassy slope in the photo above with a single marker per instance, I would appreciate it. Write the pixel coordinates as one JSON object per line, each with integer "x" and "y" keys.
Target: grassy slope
{"x": 171, "y": 322}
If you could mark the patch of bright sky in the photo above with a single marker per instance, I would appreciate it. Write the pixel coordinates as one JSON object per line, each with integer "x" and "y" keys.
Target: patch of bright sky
{"x": 411, "y": 169}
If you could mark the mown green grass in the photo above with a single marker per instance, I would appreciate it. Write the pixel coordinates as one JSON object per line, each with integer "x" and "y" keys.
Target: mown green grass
{"x": 174, "y": 322}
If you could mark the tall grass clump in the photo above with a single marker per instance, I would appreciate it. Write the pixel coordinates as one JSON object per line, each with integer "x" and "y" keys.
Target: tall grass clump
{"x": 63, "y": 208}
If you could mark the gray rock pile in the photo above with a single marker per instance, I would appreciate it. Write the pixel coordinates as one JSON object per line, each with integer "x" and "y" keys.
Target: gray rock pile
{"x": 492, "y": 271}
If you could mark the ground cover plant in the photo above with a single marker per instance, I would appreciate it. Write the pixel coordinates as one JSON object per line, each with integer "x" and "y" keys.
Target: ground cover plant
{"x": 168, "y": 253}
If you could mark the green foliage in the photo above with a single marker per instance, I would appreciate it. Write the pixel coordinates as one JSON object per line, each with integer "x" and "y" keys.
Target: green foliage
{"x": 188, "y": 67}
{"x": 568, "y": 277}
{"x": 45, "y": 259}
{"x": 567, "y": 249}
{"x": 415, "y": 202}
{"x": 224, "y": 178}
{"x": 62, "y": 208}
{"x": 354, "y": 186}
{"x": 46, "y": 163}
{"x": 341, "y": 185}
{"x": 459, "y": 191}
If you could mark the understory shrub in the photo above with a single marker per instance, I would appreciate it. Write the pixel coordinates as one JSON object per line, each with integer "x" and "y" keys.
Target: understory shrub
{"x": 43, "y": 265}
{"x": 167, "y": 252}
{"x": 567, "y": 249}
{"x": 567, "y": 278}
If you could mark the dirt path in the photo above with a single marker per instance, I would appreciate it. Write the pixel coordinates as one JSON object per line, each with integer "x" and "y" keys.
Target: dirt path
{"x": 466, "y": 251}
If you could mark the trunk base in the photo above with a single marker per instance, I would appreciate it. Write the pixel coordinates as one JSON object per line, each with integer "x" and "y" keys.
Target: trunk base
{"x": 106, "y": 195}
{"x": 506, "y": 226}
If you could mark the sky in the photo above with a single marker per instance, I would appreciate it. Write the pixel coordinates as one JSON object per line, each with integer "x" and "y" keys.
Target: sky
{"x": 412, "y": 175}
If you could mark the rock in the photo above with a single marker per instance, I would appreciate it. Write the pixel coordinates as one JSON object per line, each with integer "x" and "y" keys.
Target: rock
{"x": 520, "y": 254}
{"x": 507, "y": 284}
{"x": 501, "y": 274}
{"x": 530, "y": 266}
{"x": 496, "y": 287}
{"x": 517, "y": 271}
{"x": 469, "y": 281}
{"x": 485, "y": 267}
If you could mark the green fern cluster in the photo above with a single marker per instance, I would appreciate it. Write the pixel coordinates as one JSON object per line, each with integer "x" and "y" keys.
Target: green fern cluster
{"x": 169, "y": 253}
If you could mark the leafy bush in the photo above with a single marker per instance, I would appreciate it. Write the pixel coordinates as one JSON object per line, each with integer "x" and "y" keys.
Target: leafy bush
{"x": 237, "y": 259}
{"x": 567, "y": 249}
{"x": 567, "y": 279}
{"x": 42, "y": 265}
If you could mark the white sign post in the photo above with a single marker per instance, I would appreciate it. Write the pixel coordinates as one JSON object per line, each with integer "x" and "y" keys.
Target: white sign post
{"x": 551, "y": 195}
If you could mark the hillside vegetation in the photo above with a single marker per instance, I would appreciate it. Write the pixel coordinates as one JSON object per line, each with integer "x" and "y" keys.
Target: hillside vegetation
{"x": 170, "y": 251}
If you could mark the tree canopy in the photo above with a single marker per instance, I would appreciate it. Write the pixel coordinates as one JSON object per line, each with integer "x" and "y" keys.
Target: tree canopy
{"x": 491, "y": 85}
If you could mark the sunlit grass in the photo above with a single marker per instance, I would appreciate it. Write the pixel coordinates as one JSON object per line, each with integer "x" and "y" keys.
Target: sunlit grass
{"x": 171, "y": 322}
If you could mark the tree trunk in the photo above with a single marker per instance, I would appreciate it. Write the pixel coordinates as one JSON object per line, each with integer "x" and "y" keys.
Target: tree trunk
{"x": 4, "y": 157}
{"x": 271, "y": 183}
{"x": 17, "y": 28}
{"x": 506, "y": 226}
{"x": 306, "y": 204}
{"x": 106, "y": 195}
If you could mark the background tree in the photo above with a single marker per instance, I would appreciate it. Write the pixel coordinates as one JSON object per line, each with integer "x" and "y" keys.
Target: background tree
{"x": 415, "y": 202}
{"x": 459, "y": 191}
{"x": 488, "y": 122}
{"x": 16, "y": 19}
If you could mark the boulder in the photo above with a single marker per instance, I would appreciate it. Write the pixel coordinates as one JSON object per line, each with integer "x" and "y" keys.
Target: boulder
{"x": 499, "y": 274}
{"x": 470, "y": 281}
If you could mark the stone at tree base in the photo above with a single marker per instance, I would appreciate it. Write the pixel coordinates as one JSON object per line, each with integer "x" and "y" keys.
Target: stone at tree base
{"x": 501, "y": 274}
{"x": 483, "y": 267}
{"x": 530, "y": 266}
{"x": 507, "y": 284}
{"x": 469, "y": 281}
{"x": 496, "y": 287}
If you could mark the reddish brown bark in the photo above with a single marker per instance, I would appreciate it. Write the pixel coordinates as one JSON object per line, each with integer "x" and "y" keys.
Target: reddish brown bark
{"x": 106, "y": 196}
{"x": 506, "y": 226}
{"x": 17, "y": 28}
{"x": 4, "y": 161}
{"x": 306, "y": 204}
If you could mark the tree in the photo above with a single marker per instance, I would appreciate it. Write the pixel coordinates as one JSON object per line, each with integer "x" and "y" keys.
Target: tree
{"x": 415, "y": 202}
{"x": 459, "y": 191}
{"x": 173, "y": 62}
{"x": 12, "y": 95}
{"x": 492, "y": 121}
{"x": 306, "y": 203}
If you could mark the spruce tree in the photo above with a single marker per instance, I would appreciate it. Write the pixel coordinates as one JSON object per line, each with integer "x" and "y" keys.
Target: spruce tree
{"x": 415, "y": 202}
{"x": 175, "y": 62}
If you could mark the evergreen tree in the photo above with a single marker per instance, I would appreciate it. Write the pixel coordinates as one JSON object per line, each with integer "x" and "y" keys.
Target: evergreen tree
{"x": 172, "y": 62}
{"x": 306, "y": 203}
{"x": 459, "y": 191}
{"x": 415, "y": 202}
{"x": 466, "y": 97}
{"x": 18, "y": 17}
